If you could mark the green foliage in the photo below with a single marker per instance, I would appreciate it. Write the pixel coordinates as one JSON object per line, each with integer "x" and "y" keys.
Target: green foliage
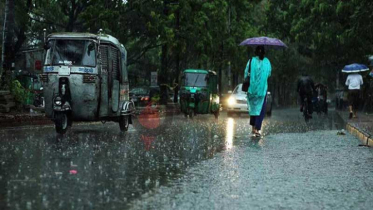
{"x": 171, "y": 35}
{"x": 330, "y": 30}
{"x": 155, "y": 99}
{"x": 324, "y": 35}
{"x": 202, "y": 34}
{"x": 19, "y": 92}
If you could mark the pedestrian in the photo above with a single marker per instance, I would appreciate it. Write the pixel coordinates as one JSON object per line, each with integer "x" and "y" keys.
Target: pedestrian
{"x": 353, "y": 81}
{"x": 256, "y": 94}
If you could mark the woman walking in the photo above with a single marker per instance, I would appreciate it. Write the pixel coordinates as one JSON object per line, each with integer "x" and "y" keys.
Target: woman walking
{"x": 256, "y": 95}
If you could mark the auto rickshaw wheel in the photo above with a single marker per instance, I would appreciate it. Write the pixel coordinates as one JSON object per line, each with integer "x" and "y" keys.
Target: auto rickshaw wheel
{"x": 123, "y": 123}
{"x": 190, "y": 113}
{"x": 61, "y": 121}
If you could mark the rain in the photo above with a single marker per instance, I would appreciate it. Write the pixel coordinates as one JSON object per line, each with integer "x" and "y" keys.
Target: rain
{"x": 189, "y": 162}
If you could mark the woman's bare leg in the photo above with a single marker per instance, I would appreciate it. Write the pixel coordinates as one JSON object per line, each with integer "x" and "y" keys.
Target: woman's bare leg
{"x": 351, "y": 112}
{"x": 253, "y": 130}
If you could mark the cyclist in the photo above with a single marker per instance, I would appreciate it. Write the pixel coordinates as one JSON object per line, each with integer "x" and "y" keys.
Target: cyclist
{"x": 306, "y": 89}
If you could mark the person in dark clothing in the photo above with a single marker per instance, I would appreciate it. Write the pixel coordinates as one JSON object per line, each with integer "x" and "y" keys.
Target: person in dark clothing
{"x": 306, "y": 89}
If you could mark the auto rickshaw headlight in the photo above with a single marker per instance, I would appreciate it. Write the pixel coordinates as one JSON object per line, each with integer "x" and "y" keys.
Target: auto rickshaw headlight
{"x": 231, "y": 101}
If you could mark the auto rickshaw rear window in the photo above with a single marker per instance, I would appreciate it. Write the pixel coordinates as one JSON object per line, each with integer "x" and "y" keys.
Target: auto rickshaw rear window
{"x": 195, "y": 80}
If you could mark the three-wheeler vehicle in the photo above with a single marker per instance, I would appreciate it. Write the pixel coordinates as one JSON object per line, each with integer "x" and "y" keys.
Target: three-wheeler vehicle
{"x": 199, "y": 93}
{"x": 85, "y": 79}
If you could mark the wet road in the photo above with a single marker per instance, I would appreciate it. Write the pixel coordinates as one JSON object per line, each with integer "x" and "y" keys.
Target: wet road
{"x": 176, "y": 163}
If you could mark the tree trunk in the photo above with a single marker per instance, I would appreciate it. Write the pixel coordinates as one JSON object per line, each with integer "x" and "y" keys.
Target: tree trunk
{"x": 220, "y": 70}
{"x": 7, "y": 55}
{"x": 177, "y": 72}
{"x": 162, "y": 75}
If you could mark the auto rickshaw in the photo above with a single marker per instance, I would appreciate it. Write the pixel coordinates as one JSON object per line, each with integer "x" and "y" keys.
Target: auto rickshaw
{"x": 199, "y": 93}
{"x": 85, "y": 79}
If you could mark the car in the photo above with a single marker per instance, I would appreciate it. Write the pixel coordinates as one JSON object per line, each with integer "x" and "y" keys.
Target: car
{"x": 143, "y": 95}
{"x": 140, "y": 96}
{"x": 237, "y": 102}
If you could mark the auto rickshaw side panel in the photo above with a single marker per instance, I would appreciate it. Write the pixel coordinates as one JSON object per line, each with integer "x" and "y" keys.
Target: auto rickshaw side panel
{"x": 114, "y": 80}
{"x": 124, "y": 84}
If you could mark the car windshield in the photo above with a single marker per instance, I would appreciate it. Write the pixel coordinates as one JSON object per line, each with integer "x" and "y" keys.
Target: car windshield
{"x": 71, "y": 52}
{"x": 195, "y": 80}
{"x": 238, "y": 90}
{"x": 140, "y": 91}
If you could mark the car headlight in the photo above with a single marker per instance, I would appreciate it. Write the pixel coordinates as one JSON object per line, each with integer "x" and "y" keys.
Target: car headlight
{"x": 231, "y": 101}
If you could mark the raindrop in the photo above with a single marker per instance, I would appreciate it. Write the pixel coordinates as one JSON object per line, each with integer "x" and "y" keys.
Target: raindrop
{"x": 147, "y": 182}
{"x": 28, "y": 205}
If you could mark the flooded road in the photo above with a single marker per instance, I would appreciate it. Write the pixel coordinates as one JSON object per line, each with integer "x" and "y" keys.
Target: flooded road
{"x": 177, "y": 163}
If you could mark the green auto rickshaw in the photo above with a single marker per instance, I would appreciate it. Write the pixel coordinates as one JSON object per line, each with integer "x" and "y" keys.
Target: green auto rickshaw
{"x": 199, "y": 93}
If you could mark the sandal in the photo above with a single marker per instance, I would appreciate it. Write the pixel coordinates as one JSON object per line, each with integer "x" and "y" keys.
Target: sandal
{"x": 258, "y": 134}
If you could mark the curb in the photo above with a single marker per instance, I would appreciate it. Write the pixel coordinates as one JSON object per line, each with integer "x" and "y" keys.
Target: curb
{"x": 24, "y": 121}
{"x": 365, "y": 138}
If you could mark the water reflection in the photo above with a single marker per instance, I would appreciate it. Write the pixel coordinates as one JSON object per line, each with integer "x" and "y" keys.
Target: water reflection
{"x": 93, "y": 165}
{"x": 230, "y": 134}
{"x": 147, "y": 141}
{"x": 256, "y": 143}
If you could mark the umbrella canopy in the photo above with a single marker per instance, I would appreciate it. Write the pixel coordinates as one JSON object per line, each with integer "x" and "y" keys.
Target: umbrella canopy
{"x": 354, "y": 68}
{"x": 264, "y": 41}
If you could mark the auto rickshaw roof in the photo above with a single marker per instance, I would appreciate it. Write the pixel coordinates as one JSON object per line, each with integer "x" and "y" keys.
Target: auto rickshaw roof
{"x": 201, "y": 71}
{"x": 74, "y": 35}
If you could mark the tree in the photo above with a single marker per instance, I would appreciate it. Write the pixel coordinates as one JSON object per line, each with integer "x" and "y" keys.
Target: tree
{"x": 327, "y": 34}
{"x": 8, "y": 31}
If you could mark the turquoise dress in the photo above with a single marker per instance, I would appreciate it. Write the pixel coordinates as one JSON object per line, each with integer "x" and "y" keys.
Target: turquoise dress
{"x": 260, "y": 71}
